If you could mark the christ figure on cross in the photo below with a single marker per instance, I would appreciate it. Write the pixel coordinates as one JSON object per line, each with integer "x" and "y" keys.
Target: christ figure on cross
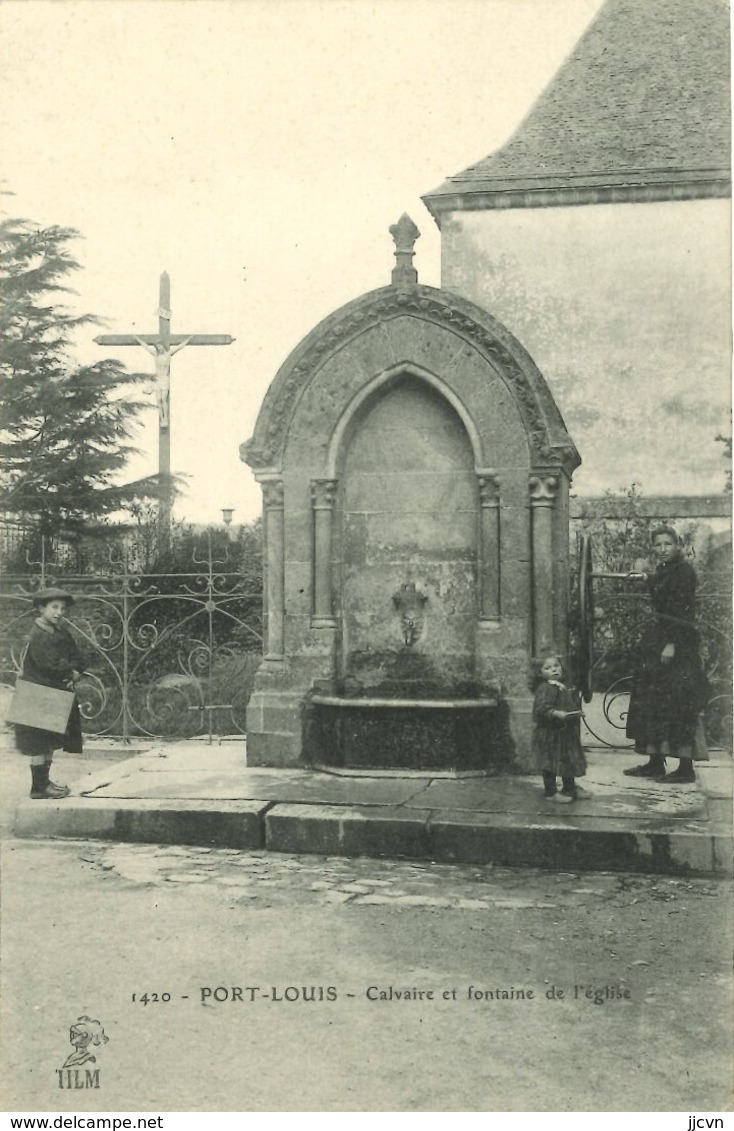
{"x": 162, "y": 346}
{"x": 162, "y": 352}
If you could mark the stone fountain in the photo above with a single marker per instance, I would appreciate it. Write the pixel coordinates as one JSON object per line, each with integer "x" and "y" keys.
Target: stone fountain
{"x": 415, "y": 474}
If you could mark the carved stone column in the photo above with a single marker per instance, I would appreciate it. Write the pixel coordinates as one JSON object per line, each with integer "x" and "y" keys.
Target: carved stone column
{"x": 275, "y": 567}
{"x": 543, "y": 492}
{"x": 323, "y": 496}
{"x": 489, "y": 546}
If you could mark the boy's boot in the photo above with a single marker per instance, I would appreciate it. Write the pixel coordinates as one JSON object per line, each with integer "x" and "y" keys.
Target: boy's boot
{"x": 39, "y": 781}
{"x": 42, "y": 789}
{"x": 57, "y": 791}
{"x": 52, "y": 788}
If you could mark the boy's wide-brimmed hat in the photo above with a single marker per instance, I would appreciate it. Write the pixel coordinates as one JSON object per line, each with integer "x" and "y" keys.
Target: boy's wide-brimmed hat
{"x": 43, "y": 596}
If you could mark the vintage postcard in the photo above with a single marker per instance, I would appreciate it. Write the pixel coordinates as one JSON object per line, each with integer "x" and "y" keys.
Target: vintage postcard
{"x": 366, "y": 508}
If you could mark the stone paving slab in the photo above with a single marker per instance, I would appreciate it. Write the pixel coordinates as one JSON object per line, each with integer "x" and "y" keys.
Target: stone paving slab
{"x": 157, "y": 774}
{"x": 723, "y": 852}
{"x": 347, "y": 831}
{"x": 573, "y": 843}
{"x": 716, "y": 778}
{"x": 228, "y": 824}
{"x": 173, "y": 757}
{"x": 218, "y": 773}
{"x": 720, "y": 812}
{"x": 298, "y": 786}
{"x": 75, "y": 817}
{"x": 572, "y": 817}
{"x": 488, "y": 838}
{"x": 609, "y": 797}
{"x": 205, "y": 795}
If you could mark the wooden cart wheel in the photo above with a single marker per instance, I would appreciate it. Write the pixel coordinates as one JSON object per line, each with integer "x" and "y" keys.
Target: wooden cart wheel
{"x": 586, "y": 617}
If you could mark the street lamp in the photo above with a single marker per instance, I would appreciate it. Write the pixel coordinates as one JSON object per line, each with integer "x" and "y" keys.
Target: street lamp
{"x": 227, "y": 513}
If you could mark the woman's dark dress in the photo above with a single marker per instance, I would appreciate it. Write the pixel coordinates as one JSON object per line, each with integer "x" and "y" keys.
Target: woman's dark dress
{"x": 50, "y": 659}
{"x": 667, "y": 699}
{"x": 556, "y": 743}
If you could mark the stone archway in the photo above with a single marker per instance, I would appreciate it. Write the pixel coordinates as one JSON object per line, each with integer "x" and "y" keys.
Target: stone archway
{"x": 479, "y": 528}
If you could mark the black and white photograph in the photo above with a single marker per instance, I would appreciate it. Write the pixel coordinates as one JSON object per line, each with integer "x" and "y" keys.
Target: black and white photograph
{"x": 366, "y": 560}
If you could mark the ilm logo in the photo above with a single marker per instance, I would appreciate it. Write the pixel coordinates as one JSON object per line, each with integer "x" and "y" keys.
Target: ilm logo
{"x": 85, "y": 1032}
{"x": 72, "y": 1078}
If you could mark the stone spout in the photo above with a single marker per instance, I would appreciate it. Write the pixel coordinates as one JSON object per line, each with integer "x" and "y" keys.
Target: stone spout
{"x": 409, "y": 602}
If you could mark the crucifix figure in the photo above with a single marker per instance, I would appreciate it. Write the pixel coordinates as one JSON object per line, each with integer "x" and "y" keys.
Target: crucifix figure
{"x": 162, "y": 357}
{"x": 162, "y": 346}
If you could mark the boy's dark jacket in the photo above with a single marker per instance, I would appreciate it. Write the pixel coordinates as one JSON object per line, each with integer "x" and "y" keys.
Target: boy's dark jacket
{"x": 51, "y": 656}
{"x": 50, "y": 659}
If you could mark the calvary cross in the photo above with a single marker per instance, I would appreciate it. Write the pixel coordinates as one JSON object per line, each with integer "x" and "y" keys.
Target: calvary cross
{"x": 163, "y": 346}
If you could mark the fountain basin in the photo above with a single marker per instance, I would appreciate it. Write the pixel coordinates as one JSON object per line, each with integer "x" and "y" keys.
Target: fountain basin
{"x": 413, "y": 734}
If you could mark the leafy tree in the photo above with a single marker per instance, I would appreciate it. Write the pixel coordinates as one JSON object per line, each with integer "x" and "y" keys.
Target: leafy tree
{"x": 65, "y": 427}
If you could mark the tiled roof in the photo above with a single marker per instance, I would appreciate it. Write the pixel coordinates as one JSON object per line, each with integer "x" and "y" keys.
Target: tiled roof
{"x": 638, "y": 111}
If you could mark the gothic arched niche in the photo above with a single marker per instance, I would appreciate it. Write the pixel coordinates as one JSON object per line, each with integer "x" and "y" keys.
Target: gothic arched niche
{"x": 406, "y": 543}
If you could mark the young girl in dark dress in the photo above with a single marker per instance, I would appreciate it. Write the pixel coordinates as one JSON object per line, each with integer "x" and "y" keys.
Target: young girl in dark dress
{"x": 556, "y": 742}
{"x": 52, "y": 660}
{"x": 669, "y": 685}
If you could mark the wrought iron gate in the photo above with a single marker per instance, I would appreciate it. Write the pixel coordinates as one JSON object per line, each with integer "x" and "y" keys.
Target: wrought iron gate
{"x": 166, "y": 655}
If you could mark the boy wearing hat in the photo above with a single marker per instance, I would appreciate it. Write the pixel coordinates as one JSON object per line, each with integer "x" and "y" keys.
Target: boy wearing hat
{"x": 52, "y": 659}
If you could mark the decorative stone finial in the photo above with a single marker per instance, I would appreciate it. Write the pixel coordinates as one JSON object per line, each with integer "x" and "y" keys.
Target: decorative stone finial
{"x": 404, "y": 233}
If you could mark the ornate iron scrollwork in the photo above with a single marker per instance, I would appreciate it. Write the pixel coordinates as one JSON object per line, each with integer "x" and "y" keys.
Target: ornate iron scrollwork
{"x": 168, "y": 655}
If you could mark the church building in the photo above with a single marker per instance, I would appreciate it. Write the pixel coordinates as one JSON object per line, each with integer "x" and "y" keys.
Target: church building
{"x": 599, "y": 234}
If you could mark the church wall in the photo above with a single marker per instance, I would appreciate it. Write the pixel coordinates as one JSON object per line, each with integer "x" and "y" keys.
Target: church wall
{"x": 625, "y": 308}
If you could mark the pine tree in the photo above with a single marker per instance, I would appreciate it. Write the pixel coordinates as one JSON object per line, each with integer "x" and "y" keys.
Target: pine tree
{"x": 65, "y": 427}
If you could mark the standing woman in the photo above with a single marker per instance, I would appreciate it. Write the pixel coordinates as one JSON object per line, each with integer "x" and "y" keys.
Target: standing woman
{"x": 52, "y": 660}
{"x": 669, "y": 685}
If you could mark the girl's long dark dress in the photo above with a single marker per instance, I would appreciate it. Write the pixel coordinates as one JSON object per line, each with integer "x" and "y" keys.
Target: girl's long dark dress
{"x": 667, "y": 699}
{"x": 50, "y": 659}
{"x": 556, "y": 743}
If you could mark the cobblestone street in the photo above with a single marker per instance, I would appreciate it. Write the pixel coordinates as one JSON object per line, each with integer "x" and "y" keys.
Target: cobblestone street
{"x": 271, "y": 880}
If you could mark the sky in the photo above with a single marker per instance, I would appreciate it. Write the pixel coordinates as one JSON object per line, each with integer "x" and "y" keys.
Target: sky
{"x": 257, "y": 150}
